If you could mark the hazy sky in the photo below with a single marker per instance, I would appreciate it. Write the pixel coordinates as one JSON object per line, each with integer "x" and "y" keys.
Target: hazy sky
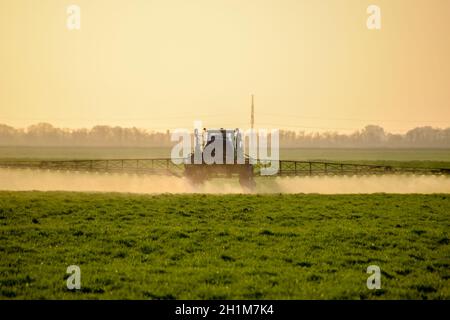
{"x": 312, "y": 64}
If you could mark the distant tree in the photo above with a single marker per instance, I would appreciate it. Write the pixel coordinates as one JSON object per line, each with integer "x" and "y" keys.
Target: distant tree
{"x": 44, "y": 134}
{"x": 373, "y": 136}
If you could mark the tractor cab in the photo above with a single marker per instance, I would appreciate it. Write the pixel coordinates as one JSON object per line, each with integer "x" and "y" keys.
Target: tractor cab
{"x": 220, "y": 134}
{"x": 229, "y": 141}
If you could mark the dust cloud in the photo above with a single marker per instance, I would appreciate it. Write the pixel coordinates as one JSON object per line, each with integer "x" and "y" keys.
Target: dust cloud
{"x": 26, "y": 179}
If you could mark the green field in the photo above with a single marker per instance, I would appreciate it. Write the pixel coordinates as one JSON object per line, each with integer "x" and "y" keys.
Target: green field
{"x": 224, "y": 246}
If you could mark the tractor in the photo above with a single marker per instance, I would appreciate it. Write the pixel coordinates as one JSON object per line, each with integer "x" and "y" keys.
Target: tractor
{"x": 219, "y": 153}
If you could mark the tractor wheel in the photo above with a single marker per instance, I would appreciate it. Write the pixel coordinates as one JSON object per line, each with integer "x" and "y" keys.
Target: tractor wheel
{"x": 246, "y": 179}
{"x": 194, "y": 174}
{"x": 247, "y": 183}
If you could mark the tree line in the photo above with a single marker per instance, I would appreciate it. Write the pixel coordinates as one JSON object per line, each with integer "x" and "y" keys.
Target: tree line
{"x": 371, "y": 136}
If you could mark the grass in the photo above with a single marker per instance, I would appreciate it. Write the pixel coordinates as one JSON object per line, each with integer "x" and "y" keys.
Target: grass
{"x": 224, "y": 246}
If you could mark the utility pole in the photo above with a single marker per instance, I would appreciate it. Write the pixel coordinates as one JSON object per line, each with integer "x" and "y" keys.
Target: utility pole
{"x": 252, "y": 121}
